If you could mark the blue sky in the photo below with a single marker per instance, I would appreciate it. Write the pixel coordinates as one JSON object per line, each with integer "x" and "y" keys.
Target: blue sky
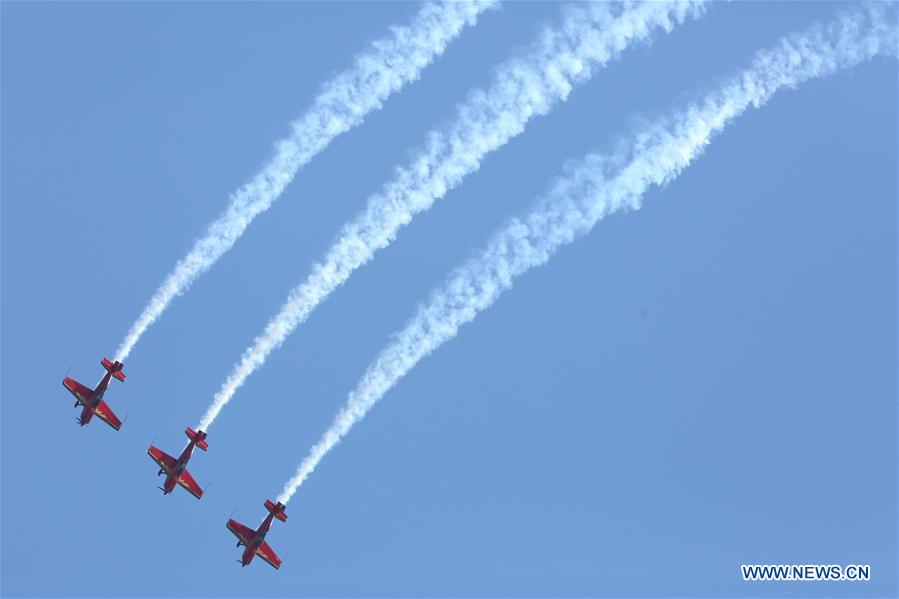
{"x": 706, "y": 382}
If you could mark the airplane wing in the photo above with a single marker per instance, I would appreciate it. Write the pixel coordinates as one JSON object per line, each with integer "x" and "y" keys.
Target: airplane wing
{"x": 164, "y": 460}
{"x": 268, "y": 554}
{"x": 187, "y": 481}
{"x": 105, "y": 413}
{"x": 244, "y": 533}
{"x": 77, "y": 389}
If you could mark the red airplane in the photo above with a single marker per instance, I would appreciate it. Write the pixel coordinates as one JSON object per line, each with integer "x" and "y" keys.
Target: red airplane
{"x": 92, "y": 399}
{"x": 176, "y": 470}
{"x": 254, "y": 540}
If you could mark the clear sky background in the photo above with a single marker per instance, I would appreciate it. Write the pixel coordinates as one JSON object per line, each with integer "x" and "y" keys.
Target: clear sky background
{"x": 706, "y": 382}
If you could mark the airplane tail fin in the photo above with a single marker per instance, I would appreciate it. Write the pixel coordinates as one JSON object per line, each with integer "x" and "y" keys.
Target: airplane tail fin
{"x": 115, "y": 368}
{"x": 277, "y": 509}
{"x": 200, "y": 436}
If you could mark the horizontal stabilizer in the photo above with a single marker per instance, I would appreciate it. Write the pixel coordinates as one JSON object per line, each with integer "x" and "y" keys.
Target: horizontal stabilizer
{"x": 200, "y": 436}
{"x": 277, "y": 510}
{"x": 115, "y": 368}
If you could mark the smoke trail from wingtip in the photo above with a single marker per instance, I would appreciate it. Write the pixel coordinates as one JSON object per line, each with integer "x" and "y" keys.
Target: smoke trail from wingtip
{"x": 590, "y": 36}
{"x": 586, "y": 194}
{"x": 342, "y": 104}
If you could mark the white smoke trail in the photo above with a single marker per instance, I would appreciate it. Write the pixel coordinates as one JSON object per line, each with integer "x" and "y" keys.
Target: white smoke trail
{"x": 589, "y": 37}
{"x": 342, "y": 104}
{"x": 580, "y": 199}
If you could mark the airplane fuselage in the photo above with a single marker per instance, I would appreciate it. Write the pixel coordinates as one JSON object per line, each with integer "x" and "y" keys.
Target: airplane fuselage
{"x": 174, "y": 474}
{"x": 250, "y": 552}
{"x": 90, "y": 403}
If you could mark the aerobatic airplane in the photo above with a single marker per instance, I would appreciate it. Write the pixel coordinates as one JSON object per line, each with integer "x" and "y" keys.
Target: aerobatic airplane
{"x": 92, "y": 399}
{"x": 254, "y": 540}
{"x": 176, "y": 470}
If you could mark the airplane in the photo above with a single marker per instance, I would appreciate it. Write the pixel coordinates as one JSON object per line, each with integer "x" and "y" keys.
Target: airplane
{"x": 176, "y": 470}
{"x": 254, "y": 540}
{"x": 92, "y": 399}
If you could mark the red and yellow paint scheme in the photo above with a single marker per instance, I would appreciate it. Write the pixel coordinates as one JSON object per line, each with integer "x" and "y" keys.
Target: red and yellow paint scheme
{"x": 92, "y": 399}
{"x": 176, "y": 469}
{"x": 254, "y": 540}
